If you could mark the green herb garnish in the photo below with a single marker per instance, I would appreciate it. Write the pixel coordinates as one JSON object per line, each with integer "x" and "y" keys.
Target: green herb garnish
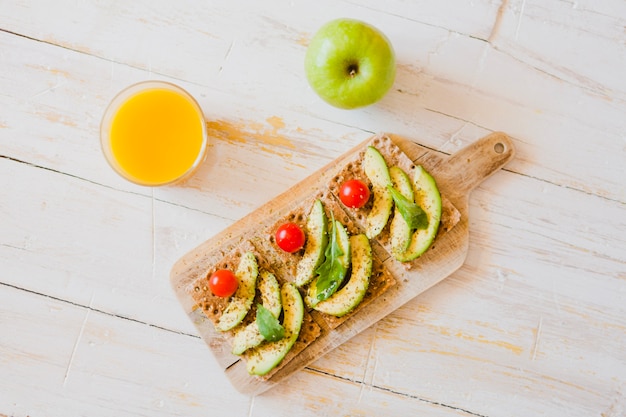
{"x": 269, "y": 327}
{"x": 413, "y": 214}
{"x": 331, "y": 272}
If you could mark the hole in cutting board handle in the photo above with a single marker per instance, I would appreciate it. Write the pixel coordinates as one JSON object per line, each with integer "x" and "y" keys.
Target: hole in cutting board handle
{"x": 499, "y": 148}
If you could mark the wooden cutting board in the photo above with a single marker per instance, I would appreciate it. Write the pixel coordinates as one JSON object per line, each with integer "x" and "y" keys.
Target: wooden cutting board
{"x": 456, "y": 176}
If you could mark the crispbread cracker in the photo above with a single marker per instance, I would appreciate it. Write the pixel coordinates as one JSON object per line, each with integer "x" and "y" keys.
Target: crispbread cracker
{"x": 213, "y": 306}
{"x": 309, "y": 331}
{"x": 353, "y": 169}
{"x": 286, "y": 263}
{"x": 380, "y": 281}
{"x": 394, "y": 156}
{"x": 450, "y": 216}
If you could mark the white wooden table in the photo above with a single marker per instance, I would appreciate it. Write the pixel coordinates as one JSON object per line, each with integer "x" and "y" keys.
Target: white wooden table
{"x": 534, "y": 323}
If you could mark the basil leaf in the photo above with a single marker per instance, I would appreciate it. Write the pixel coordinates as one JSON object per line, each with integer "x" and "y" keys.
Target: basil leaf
{"x": 269, "y": 327}
{"x": 413, "y": 214}
{"x": 331, "y": 272}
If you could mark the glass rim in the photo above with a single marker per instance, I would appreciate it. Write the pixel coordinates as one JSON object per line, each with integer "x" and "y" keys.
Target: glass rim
{"x": 121, "y": 97}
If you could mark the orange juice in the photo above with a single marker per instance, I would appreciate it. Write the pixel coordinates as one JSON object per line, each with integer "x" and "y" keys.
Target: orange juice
{"x": 153, "y": 133}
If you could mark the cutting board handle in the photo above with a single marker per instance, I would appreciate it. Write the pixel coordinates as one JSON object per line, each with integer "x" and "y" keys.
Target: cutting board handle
{"x": 473, "y": 164}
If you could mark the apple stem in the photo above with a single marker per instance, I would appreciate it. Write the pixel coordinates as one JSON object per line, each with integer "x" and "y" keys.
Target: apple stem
{"x": 353, "y": 69}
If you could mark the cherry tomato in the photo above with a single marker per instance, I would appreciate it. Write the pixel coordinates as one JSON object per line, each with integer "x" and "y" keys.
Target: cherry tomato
{"x": 289, "y": 237}
{"x": 354, "y": 193}
{"x": 223, "y": 283}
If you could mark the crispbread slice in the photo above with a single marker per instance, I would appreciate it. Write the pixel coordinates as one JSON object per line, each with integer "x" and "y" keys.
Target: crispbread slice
{"x": 353, "y": 169}
{"x": 286, "y": 263}
{"x": 450, "y": 216}
{"x": 283, "y": 262}
{"x": 309, "y": 331}
{"x": 394, "y": 156}
{"x": 380, "y": 281}
{"x": 213, "y": 306}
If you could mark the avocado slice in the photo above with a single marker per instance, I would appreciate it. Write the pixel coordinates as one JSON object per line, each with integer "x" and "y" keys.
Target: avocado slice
{"x": 347, "y": 298}
{"x": 427, "y": 196}
{"x": 263, "y": 358}
{"x": 249, "y": 336}
{"x": 241, "y": 301}
{"x": 399, "y": 231}
{"x": 376, "y": 170}
{"x": 316, "y": 241}
{"x": 343, "y": 263}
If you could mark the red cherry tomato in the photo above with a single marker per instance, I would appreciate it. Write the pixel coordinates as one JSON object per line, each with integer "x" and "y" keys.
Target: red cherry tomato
{"x": 289, "y": 237}
{"x": 223, "y": 283}
{"x": 354, "y": 193}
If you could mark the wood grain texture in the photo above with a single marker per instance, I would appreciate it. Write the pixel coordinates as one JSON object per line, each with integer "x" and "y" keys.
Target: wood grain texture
{"x": 532, "y": 323}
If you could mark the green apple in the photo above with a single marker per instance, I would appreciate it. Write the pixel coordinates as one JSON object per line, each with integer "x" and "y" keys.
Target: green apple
{"x": 350, "y": 63}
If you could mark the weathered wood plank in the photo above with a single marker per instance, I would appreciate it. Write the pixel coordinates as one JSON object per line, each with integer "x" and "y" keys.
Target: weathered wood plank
{"x": 534, "y": 308}
{"x": 58, "y": 359}
{"x": 580, "y": 33}
{"x": 95, "y": 246}
{"x": 436, "y": 99}
{"x": 315, "y": 394}
{"x": 92, "y": 363}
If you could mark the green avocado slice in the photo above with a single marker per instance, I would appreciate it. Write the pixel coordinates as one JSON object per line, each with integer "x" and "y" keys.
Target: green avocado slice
{"x": 350, "y": 296}
{"x": 265, "y": 357}
{"x": 427, "y": 196}
{"x": 377, "y": 172}
{"x": 343, "y": 263}
{"x": 316, "y": 241}
{"x": 399, "y": 230}
{"x": 240, "y": 303}
{"x": 249, "y": 336}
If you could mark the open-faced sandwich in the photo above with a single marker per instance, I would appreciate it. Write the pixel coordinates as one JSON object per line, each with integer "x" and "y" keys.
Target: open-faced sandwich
{"x": 263, "y": 318}
{"x": 321, "y": 261}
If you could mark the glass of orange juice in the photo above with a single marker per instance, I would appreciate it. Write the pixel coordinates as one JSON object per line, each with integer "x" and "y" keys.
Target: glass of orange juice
{"x": 153, "y": 133}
